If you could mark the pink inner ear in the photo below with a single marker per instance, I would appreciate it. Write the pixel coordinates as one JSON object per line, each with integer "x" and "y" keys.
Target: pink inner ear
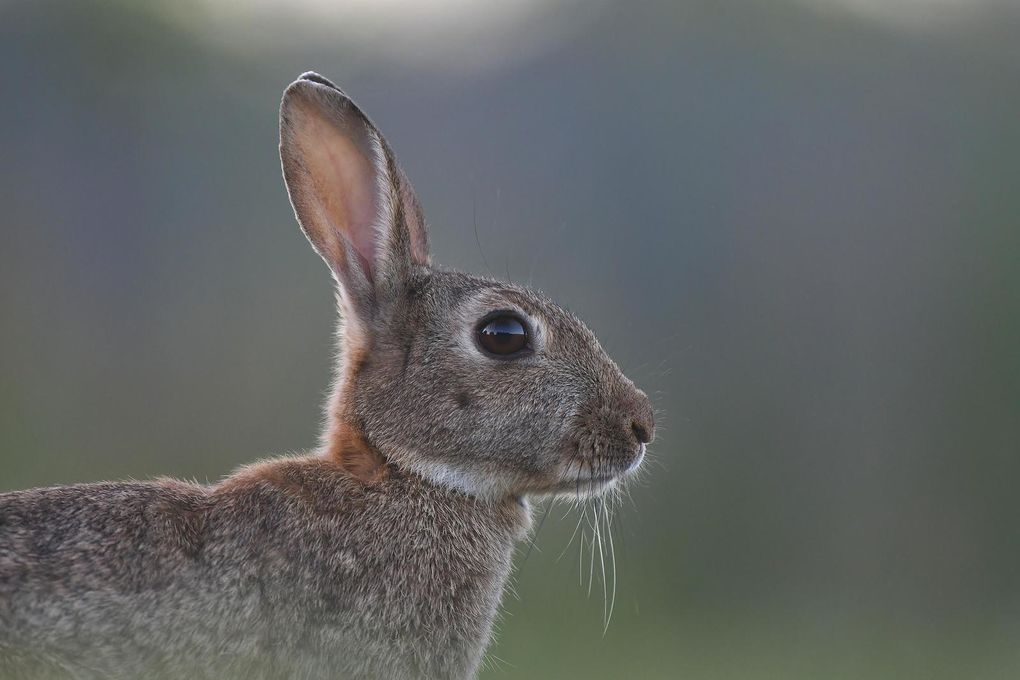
{"x": 345, "y": 183}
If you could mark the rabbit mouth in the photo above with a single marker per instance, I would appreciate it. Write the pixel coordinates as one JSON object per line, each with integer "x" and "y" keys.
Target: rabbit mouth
{"x": 588, "y": 475}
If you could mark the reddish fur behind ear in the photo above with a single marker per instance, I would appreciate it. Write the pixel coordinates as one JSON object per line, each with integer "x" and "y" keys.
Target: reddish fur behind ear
{"x": 346, "y": 444}
{"x": 361, "y": 460}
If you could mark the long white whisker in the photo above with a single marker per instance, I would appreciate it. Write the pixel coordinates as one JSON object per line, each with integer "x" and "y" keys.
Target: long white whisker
{"x": 580, "y": 561}
{"x": 602, "y": 560}
{"x": 580, "y": 519}
{"x": 612, "y": 556}
{"x": 584, "y": 539}
{"x": 591, "y": 562}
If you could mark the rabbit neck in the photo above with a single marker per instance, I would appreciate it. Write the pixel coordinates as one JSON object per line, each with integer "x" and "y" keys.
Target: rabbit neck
{"x": 344, "y": 440}
{"x": 438, "y": 558}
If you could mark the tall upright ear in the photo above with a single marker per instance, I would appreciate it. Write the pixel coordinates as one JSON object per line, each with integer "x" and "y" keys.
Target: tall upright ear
{"x": 352, "y": 200}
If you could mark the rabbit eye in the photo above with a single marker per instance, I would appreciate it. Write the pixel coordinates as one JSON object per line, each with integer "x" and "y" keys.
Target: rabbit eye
{"x": 502, "y": 335}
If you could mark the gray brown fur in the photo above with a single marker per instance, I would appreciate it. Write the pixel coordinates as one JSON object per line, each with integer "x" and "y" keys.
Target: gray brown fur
{"x": 384, "y": 553}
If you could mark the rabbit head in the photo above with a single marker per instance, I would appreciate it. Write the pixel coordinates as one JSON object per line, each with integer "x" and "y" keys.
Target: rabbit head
{"x": 479, "y": 385}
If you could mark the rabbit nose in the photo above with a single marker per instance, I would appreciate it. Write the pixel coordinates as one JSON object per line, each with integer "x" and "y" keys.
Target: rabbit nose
{"x": 640, "y": 432}
{"x": 638, "y": 412}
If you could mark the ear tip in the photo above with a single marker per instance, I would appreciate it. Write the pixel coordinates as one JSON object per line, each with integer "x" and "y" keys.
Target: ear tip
{"x": 310, "y": 86}
{"x": 314, "y": 77}
{"x": 311, "y": 81}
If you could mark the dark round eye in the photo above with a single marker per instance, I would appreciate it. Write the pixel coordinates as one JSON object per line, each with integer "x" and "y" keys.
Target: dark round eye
{"x": 503, "y": 335}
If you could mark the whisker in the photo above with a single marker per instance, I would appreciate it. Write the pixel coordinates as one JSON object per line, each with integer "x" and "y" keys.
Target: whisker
{"x": 602, "y": 558}
{"x": 584, "y": 516}
{"x": 474, "y": 222}
{"x": 596, "y": 505}
{"x": 500, "y": 665}
{"x": 591, "y": 562}
{"x": 612, "y": 556}
{"x": 580, "y": 518}
{"x": 580, "y": 561}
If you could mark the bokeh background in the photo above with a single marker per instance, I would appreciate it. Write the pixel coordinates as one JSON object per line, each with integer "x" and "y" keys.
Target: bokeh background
{"x": 796, "y": 223}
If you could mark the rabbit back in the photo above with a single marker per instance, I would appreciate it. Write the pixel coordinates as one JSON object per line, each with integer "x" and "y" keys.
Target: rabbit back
{"x": 287, "y": 567}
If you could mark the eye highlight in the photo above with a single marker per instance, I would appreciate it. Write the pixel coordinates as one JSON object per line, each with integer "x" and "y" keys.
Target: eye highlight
{"x": 502, "y": 335}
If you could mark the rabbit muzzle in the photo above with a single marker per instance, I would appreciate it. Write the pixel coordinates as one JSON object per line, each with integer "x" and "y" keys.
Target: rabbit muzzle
{"x": 611, "y": 437}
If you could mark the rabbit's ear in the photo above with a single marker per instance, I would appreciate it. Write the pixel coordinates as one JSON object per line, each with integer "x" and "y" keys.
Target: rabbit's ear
{"x": 352, "y": 200}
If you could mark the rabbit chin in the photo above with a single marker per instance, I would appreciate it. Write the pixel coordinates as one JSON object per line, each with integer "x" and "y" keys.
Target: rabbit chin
{"x": 571, "y": 479}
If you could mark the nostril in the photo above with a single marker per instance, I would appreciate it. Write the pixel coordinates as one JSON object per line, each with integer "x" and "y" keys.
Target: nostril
{"x": 641, "y": 432}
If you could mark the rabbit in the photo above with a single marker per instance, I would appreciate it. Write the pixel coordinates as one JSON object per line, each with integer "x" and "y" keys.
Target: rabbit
{"x": 456, "y": 402}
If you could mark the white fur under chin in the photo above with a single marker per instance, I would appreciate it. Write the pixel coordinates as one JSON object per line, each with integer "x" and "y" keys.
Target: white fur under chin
{"x": 467, "y": 482}
{"x": 478, "y": 485}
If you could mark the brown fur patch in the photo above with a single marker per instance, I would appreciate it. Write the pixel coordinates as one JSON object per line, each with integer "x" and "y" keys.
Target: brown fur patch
{"x": 356, "y": 456}
{"x": 287, "y": 477}
{"x": 346, "y": 442}
{"x": 304, "y": 480}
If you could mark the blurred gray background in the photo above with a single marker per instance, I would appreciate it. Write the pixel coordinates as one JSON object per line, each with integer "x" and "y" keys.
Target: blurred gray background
{"x": 795, "y": 223}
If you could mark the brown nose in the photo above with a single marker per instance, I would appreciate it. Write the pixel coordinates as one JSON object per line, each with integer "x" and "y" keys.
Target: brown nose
{"x": 637, "y": 410}
{"x": 641, "y": 432}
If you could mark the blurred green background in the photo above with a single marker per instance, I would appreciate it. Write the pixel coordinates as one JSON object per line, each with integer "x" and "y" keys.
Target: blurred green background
{"x": 796, "y": 224}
